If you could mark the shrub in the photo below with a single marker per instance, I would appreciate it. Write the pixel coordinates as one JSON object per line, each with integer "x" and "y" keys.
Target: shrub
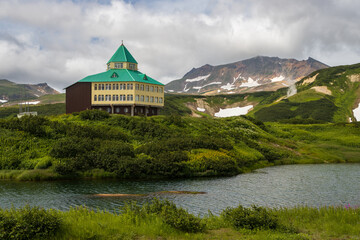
{"x": 28, "y": 223}
{"x": 95, "y": 115}
{"x": 250, "y": 218}
{"x": 176, "y": 217}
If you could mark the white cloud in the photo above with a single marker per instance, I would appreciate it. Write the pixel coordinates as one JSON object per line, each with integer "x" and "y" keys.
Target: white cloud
{"x": 60, "y": 42}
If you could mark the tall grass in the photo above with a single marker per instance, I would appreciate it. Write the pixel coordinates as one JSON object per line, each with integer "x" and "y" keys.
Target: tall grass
{"x": 149, "y": 222}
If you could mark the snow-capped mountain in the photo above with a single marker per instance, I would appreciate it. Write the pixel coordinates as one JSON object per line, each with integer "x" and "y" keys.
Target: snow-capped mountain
{"x": 255, "y": 74}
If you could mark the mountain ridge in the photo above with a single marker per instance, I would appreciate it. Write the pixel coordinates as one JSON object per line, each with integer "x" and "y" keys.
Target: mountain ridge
{"x": 11, "y": 91}
{"x": 260, "y": 73}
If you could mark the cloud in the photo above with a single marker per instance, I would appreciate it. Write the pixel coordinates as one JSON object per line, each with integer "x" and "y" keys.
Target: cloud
{"x": 62, "y": 41}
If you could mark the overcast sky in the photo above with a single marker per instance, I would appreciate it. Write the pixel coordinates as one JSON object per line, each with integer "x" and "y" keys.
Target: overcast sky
{"x": 62, "y": 41}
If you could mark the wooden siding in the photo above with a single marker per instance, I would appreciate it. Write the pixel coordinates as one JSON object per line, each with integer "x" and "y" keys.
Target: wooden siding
{"x": 78, "y": 97}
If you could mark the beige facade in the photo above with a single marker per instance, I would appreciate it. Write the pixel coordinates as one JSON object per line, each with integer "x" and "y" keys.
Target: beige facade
{"x": 127, "y": 93}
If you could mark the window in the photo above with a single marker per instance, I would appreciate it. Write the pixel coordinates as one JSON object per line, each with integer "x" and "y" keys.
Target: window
{"x": 141, "y": 110}
{"x": 137, "y": 98}
{"x": 113, "y": 86}
{"x": 110, "y": 86}
{"x": 106, "y": 97}
{"x": 147, "y": 88}
{"x": 131, "y": 66}
{"x": 147, "y": 99}
{"x": 142, "y": 98}
{"x": 94, "y": 97}
{"x": 160, "y": 89}
{"x": 102, "y": 86}
{"x": 95, "y": 87}
{"x": 136, "y": 86}
{"x": 161, "y": 100}
{"x": 128, "y": 86}
{"x": 109, "y": 110}
{"x": 121, "y": 98}
{"x": 117, "y": 110}
{"x": 156, "y": 89}
{"x": 152, "y": 88}
{"x": 142, "y": 87}
{"x": 117, "y": 86}
{"x": 108, "y": 66}
{"x": 131, "y": 86}
{"x": 106, "y": 86}
{"x": 118, "y": 65}
{"x": 151, "y": 99}
{"x": 114, "y": 75}
{"x": 102, "y": 97}
{"x": 126, "y": 110}
{"x": 156, "y": 99}
{"x": 114, "y": 97}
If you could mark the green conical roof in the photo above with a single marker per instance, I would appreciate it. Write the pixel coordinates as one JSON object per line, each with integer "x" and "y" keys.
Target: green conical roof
{"x": 122, "y": 55}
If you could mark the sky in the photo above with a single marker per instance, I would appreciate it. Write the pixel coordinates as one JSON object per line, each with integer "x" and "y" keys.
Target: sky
{"x": 62, "y": 41}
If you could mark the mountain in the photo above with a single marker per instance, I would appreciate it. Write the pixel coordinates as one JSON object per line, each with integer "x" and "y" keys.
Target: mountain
{"x": 326, "y": 95}
{"x": 10, "y": 91}
{"x": 251, "y": 75}
{"x": 331, "y": 95}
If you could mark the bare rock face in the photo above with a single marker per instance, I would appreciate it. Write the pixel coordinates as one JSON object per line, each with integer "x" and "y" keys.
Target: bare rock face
{"x": 251, "y": 75}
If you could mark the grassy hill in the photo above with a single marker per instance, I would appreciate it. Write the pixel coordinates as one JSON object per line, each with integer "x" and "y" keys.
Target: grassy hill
{"x": 327, "y": 95}
{"x": 93, "y": 143}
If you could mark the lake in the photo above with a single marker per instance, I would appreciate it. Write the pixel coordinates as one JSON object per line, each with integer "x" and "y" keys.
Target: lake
{"x": 281, "y": 186}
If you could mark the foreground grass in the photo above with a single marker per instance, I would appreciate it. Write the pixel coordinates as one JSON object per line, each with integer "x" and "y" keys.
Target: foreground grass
{"x": 159, "y": 221}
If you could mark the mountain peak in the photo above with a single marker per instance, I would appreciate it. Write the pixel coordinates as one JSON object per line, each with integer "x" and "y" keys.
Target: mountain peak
{"x": 260, "y": 73}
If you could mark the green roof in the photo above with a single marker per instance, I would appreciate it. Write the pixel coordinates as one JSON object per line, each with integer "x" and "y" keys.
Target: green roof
{"x": 122, "y": 55}
{"x": 121, "y": 75}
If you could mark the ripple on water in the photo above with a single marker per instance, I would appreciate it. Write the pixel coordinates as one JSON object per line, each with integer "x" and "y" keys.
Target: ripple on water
{"x": 282, "y": 186}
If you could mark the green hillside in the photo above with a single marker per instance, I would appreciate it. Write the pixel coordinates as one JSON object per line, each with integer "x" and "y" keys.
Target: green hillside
{"x": 327, "y": 95}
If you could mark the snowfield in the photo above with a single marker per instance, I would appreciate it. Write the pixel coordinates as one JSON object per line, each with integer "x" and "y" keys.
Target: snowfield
{"x": 250, "y": 83}
{"x": 199, "y": 78}
{"x": 31, "y": 103}
{"x": 356, "y": 112}
{"x": 231, "y": 112}
{"x": 228, "y": 87}
{"x": 278, "y": 79}
{"x": 3, "y": 101}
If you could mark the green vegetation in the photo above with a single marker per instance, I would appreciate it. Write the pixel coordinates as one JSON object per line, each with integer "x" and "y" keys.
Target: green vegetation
{"x": 93, "y": 144}
{"x": 42, "y": 110}
{"x": 308, "y": 104}
{"x": 164, "y": 220}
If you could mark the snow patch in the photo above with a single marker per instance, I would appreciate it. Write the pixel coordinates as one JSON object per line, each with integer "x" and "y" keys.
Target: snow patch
{"x": 230, "y": 112}
{"x": 201, "y": 109}
{"x": 170, "y": 90}
{"x": 230, "y": 92}
{"x": 185, "y": 90}
{"x": 278, "y": 79}
{"x": 31, "y": 103}
{"x": 228, "y": 87}
{"x": 199, "y": 88}
{"x": 36, "y": 95}
{"x": 3, "y": 101}
{"x": 356, "y": 112}
{"x": 199, "y": 78}
{"x": 250, "y": 83}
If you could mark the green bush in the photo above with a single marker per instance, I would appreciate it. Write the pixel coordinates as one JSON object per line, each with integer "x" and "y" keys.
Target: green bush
{"x": 174, "y": 216}
{"x": 250, "y": 218}
{"x": 28, "y": 223}
{"x": 94, "y": 115}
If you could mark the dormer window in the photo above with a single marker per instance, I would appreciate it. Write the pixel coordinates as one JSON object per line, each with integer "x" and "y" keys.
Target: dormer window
{"x": 114, "y": 75}
{"x": 118, "y": 65}
{"x": 131, "y": 66}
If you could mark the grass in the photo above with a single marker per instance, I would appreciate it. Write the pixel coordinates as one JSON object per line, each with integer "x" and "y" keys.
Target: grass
{"x": 135, "y": 222}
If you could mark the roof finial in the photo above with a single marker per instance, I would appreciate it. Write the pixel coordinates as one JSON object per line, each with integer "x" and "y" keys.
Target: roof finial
{"x": 122, "y": 42}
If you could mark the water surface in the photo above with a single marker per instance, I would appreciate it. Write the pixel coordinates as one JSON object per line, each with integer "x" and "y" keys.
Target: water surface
{"x": 281, "y": 186}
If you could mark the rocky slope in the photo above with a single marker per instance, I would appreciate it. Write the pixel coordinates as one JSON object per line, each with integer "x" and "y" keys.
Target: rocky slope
{"x": 10, "y": 91}
{"x": 251, "y": 75}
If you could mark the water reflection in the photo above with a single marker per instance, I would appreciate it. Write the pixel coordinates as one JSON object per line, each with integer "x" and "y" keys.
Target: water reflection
{"x": 312, "y": 185}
